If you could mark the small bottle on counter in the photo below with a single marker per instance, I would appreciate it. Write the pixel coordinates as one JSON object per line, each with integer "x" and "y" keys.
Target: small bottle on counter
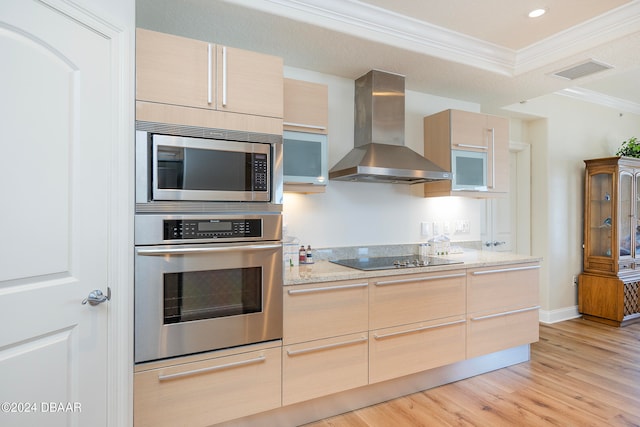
{"x": 309, "y": 255}
{"x": 302, "y": 255}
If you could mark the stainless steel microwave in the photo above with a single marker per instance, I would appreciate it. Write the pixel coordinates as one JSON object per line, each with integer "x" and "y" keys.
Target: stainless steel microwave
{"x": 305, "y": 158}
{"x": 469, "y": 170}
{"x": 207, "y": 168}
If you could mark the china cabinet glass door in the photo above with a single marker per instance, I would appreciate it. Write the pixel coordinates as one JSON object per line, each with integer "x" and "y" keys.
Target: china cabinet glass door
{"x": 626, "y": 215}
{"x": 600, "y": 206}
{"x": 636, "y": 224}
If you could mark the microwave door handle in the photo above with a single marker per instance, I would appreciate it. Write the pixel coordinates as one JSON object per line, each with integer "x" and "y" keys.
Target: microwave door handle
{"x": 206, "y": 249}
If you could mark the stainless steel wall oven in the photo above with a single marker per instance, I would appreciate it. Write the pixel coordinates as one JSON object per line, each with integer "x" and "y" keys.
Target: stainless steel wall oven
{"x": 222, "y": 292}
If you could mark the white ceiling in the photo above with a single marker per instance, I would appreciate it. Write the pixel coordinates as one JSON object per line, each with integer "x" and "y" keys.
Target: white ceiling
{"x": 488, "y": 52}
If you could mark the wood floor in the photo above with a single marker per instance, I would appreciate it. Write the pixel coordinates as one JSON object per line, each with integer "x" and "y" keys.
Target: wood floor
{"x": 581, "y": 373}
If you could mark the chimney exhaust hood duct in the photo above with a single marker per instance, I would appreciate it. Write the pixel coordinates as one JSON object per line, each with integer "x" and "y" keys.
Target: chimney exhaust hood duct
{"x": 379, "y": 154}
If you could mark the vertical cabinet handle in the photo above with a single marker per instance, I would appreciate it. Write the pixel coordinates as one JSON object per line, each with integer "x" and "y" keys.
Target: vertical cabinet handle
{"x": 224, "y": 76}
{"x": 209, "y": 74}
{"x": 493, "y": 158}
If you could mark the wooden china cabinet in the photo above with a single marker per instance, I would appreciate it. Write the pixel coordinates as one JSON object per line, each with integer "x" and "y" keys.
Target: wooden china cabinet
{"x": 609, "y": 286}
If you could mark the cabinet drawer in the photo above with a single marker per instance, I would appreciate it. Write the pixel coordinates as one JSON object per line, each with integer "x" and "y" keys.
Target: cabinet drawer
{"x": 323, "y": 367}
{"x": 394, "y": 352}
{"x": 502, "y": 287}
{"x": 499, "y": 331}
{"x": 210, "y": 391}
{"x": 324, "y": 310}
{"x": 415, "y": 298}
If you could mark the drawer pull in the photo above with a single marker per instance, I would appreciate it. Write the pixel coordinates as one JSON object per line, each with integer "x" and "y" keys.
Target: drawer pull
{"x": 258, "y": 359}
{"x": 424, "y": 328}
{"x": 506, "y": 313}
{"x": 325, "y": 347}
{"x": 504, "y": 270}
{"x": 302, "y": 125}
{"x": 328, "y": 288}
{"x": 420, "y": 279}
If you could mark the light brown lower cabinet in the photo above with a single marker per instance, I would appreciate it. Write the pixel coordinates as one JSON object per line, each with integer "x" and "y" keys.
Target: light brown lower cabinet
{"x": 325, "y": 310}
{"x": 407, "y": 349}
{"x": 499, "y": 331}
{"x": 401, "y": 300}
{"x": 322, "y": 367}
{"x": 207, "y": 392}
{"x": 502, "y": 306}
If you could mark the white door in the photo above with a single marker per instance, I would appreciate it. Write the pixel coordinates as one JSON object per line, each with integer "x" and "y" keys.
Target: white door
{"x": 56, "y": 127}
{"x": 498, "y": 219}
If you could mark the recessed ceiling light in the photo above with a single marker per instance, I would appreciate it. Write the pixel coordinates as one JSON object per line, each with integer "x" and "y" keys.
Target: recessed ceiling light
{"x": 536, "y": 13}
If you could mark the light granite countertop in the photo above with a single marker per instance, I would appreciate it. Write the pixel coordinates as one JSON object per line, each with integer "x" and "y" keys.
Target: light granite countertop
{"x": 326, "y": 271}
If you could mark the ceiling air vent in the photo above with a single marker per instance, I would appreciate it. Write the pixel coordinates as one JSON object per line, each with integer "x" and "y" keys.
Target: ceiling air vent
{"x": 582, "y": 70}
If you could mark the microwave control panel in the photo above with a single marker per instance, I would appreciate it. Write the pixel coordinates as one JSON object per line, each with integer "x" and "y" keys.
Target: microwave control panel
{"x": 184, "y": 229}
{"x": 260, "y": 172}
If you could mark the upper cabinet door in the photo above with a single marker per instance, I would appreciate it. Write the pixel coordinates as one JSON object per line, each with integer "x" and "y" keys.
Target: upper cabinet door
{"x": 174, "y": 70}
{"x": 249, "y": 82}
{"x": 192, "y": 73}
{"x": 469, "y": 131}
{"x": 306, "y": 106}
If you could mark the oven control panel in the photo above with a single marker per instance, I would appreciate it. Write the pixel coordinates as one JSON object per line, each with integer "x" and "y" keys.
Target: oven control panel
{"x": 184, "y": 229}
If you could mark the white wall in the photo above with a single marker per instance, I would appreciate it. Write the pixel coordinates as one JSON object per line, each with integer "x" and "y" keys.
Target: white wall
{"x": 567, "y": 132}
{"x": 355, "y": 213}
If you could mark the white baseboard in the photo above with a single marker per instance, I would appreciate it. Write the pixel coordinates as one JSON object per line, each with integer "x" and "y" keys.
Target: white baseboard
{"x": 558, "y": 315}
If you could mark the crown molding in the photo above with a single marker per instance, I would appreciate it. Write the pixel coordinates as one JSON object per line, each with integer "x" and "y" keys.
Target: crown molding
{"x": 600, "y": 99}
{"x": 383, "y": 26}
{"x": 615, "y": 24}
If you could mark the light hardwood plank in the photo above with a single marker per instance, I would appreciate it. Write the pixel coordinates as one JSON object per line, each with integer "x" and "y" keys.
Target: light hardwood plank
{"x": 581, "y": 373}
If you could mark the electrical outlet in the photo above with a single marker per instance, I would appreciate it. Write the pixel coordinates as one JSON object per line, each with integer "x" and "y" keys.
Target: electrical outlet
{"x": 575, "y": 280}
{"x": 425, "y": 228}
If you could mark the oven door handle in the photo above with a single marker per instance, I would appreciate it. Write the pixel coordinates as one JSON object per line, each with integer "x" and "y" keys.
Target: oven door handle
{"x": 205, "y": 249}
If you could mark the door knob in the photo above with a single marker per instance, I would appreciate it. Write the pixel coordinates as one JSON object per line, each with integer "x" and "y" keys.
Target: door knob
{"x": 97, "y": 297}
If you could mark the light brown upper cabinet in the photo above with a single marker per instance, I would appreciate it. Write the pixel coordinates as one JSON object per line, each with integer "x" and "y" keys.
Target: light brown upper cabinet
{"x": 180, "y": 71}
{"x": 306, "y": 106}
{"x": 306, "y": 122}
{"x": 475, "y": 147}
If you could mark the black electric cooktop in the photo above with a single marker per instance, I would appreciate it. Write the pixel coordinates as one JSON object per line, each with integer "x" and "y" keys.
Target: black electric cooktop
{"x": 389, "y": 263}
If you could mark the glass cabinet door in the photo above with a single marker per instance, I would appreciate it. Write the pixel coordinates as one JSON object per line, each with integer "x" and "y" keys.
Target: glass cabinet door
{"x": 600, "y": 214}
{"x": 626, "y": 211}
{"x": 635, "y": 219}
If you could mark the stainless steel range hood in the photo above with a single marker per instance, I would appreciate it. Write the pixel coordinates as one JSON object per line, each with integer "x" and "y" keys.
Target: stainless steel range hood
{"x": 380, "y": 154}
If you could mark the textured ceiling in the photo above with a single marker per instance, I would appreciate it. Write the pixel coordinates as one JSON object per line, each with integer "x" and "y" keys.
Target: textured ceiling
{"x": 486, "y": 52}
